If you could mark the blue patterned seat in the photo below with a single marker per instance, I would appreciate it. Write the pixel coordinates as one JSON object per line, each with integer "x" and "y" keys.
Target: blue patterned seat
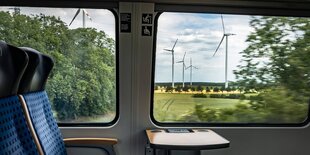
{"x": 39, "y": 108}
{"x": 15, "y": 137}
{"x": 32, "y": 89}
{"x": 44, "y": 123}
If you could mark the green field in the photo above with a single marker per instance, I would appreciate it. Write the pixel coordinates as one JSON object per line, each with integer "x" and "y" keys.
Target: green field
{"x": 169, "y": 107}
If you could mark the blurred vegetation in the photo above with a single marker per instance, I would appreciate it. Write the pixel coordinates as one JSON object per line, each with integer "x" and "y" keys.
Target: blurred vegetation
{"x": 82, "y": 82}
{"x": 275, "y": 107}
{"x": 277, "y": 65}
{"x": 274, "y": 78}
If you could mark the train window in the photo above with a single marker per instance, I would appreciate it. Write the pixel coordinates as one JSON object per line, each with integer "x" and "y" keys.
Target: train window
{"x": 224, "y": 69}
{"x": 82, "y": 87}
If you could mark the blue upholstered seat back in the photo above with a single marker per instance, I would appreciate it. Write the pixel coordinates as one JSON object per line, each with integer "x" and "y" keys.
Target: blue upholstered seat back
{"x": 15, "y": 137}
{"x": 44, "y": 123}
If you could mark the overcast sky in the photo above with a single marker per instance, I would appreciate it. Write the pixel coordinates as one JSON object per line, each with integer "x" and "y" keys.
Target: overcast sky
{"x": 102, "y": 19}
{"x": 199, "y": 35}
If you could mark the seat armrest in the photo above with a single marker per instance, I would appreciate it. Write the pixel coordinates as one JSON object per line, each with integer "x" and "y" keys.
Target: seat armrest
{"x": 101, "y": 143}
{"x": 90, "y": 141}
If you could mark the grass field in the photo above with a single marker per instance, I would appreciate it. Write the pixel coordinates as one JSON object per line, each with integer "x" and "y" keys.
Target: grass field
{"x": 168, "y": 107}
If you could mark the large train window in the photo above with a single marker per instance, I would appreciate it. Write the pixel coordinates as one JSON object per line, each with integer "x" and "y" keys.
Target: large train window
{"x": 231, "y": 70}
{"x": 82, "y": 87}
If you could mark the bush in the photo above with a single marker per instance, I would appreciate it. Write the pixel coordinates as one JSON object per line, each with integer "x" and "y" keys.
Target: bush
{"x": 236, "y": 96}
{"x": 208, "y": 89}
{"x": 178, "y": 89}
{"x": 230, "y": 96}
{"x": 215, "y": 95}
{"x": 199, "y": 88}
{"x": 169, "y": 89}
{"x": 186, "y": 88}
{"x": 215, "y": 89}
{"x": 199, "y": 95}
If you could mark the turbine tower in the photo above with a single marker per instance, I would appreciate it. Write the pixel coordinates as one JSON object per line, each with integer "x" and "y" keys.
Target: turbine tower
{"x": 225, "y": 35}
{"x": 172, "y": 54}
{"x": 84, "y": 13}
{"x": 183, "y": 63}
{"x": 191, "y": 71}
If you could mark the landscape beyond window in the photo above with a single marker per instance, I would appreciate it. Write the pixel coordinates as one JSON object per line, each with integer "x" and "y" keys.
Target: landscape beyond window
{"x": 82, "y": 84}
{"x": 213, "y": 68}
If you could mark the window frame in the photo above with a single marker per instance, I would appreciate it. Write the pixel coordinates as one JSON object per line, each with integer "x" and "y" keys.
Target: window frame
{"x": 117, "y": 106}
{"x": 112, "y": 8}
{"x": 211, "y": 124}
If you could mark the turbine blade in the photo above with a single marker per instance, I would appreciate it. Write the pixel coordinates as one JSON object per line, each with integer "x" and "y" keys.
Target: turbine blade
{"x": 168, "y": 50}
{"x": 86, "y": 13}
{"x": 184, "y": 56}
{"x": 76, "y": 14}
{"x": 195, "y": 67}
{"x": 174, "y": 44}
{"x": 219, "y": 45}
{"x": 223, "y": 24}
{"x": 179, "y": 62}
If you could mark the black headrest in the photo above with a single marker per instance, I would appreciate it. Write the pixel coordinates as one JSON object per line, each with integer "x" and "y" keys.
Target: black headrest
{"x": 13, "y": 62}
{"x": 36, "y": 74}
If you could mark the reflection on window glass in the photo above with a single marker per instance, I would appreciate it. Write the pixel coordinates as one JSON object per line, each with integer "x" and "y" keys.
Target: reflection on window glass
{"x": 82, "y": 85}
{"x": 213, "y": 68}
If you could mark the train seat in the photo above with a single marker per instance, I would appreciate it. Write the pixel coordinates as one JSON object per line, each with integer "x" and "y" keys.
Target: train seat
{"x": 33, "y": 94}
{"x": 15, "y": 136}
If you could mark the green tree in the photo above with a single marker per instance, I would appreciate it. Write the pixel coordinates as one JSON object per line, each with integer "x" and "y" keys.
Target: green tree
{"x": 276, "y": 54}
{"x": 222, "y": 89}
{"x": 208, "y": 89}
{"x": 216, "y": 89}
{"x": 199, "y": 88}
{"x": 178, "y": 89}
{"x": 186, "y": 88}
{"x": 276, "y": 63}
{"x": 228, "y": 89}
{"x": 169, "y": 89}
{"x": 82, "y": 82}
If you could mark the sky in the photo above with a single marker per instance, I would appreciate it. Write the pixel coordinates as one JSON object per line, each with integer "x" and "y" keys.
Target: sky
{"x": 198, "y": 35}
{"x": 102, "y": 19}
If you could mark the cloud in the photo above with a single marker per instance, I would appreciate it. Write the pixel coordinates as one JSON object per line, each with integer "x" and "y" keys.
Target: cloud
{"x": 199, "y": 35}
{"x": 102, "y": 19}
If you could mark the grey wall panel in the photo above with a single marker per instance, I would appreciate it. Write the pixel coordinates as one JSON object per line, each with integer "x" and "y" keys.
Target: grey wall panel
{"x": 135, "y": 85}
{"x": 85, "y": 151}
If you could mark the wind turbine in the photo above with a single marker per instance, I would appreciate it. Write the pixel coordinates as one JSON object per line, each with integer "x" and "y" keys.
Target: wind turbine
{"x": 183, "y": 63}
{"x": 85, "y": 13}
{"x": 172, "y": 53}
{"x": 16, "y": 10}
{"x": 225, "y": 35}
{"x": 191, "y": 71}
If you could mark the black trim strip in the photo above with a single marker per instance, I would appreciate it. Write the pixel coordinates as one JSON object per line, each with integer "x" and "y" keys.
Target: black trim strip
{"x": 94, "y": 4}
{"x": 272, "y": 10}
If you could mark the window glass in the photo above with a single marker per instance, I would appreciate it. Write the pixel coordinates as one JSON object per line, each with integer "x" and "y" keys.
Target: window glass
{"x": 82, "y": 84}
{"x": 213, "y": 68}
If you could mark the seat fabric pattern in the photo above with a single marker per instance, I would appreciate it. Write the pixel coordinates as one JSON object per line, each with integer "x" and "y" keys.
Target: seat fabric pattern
{"x": 44, "y": 123}
{"x": 15, "y": 136}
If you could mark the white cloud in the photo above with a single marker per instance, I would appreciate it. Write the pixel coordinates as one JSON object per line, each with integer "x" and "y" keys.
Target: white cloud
{"x": 102, "y": 19}
{"x": 199, "y": 35}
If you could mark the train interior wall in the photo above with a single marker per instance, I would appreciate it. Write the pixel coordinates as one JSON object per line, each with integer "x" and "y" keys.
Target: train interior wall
{"x": 135, "y": 64}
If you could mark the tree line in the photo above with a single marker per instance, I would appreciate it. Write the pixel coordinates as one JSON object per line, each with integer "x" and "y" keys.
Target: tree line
{"x": 82, "y": 82}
